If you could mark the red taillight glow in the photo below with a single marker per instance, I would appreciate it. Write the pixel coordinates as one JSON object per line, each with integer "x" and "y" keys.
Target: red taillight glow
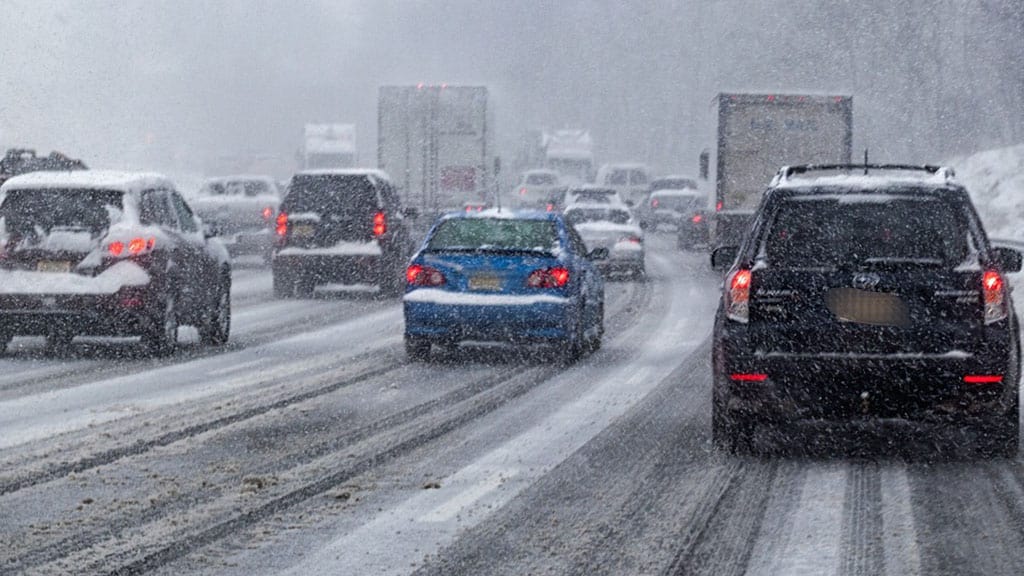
{"x": 417, "y": 275}
{"x": 522, "y": 191}
{"x": 994, "y": 298}
{"x": 380, "y": 225}
{"x": 697, "y": 218}
{"x": 654, "y": 203}
{"x": 134, "y": 247}
{"x": 551, "y": 207}
{"x": 116, "y": 248}
{"x": 748, "y": 377}
{"x": 738, "y": 302}
{"x": 983, "y": 378}
{"x": 718, "y": 207}
{"x": 282, "y": 224}
{"x": 268, "y": 213}
{"x": 631, "y": 239}
{"x": 548, "y": 278}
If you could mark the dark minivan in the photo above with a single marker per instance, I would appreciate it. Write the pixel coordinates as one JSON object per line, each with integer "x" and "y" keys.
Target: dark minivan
{"x": 342, "y": 227}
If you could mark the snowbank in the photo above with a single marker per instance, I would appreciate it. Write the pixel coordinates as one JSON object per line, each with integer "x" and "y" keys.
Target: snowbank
{"x": 995, "y": 179}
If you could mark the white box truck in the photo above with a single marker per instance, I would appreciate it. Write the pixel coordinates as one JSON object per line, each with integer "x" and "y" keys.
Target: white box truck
{"x": 760, "y": 133}
{"x": 434, "y": 142}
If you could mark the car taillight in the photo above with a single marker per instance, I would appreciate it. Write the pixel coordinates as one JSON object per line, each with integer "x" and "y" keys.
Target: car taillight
{"x": 418, "y": 275}
{"x": 718, "y": 206}
{"x": 994, "y": 296}
{"x": 380, "y": 225}
{"x": 748, "y": 377}
{"x": 134, "y": 247}
{"x": 983, "y": 379}
{"x": 548, "y": 278}
{"x": 268, "y": 213}
{"x": 522, "y": 191}
{"x": 738, "y": 303}
{"x": 550, "y": 207}
{"x": 632, "y": 239}
{"x": 697, "y": 218}
{"x": 282, "y": 224}
{"x": 654, "y": 203}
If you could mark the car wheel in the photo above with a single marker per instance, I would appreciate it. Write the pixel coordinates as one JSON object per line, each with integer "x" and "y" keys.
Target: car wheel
{"x": 5, "y": 340}
{"x": 640, "y": 273}
{"x": 417, "y": 349}
{"x": 595, "y": 343}
{"x": 1002, "y": 439}
{"x": 161, "y": 337}
{"x": 216, "y": 327}
{"x": 572, "y": 348}
{"x": 728, "y": 434}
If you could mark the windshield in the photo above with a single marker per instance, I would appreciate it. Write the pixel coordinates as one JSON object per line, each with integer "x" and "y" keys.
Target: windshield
{"x": 835, "y": 232}
{"x": 30, "y": 213}
{"x": 494, "y": 234}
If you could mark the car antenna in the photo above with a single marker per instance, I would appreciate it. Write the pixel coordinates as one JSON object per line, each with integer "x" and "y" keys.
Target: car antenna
{"x": 865, "y": 161}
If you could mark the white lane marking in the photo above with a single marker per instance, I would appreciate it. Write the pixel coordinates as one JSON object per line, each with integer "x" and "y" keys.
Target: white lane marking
{"x": 473, "y": 483}
{"x": 901, "y": 553}
{"x": 810, "y": 542}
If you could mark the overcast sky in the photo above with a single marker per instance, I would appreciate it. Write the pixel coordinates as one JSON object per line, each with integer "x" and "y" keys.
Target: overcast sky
{"x": 165, "y": 84}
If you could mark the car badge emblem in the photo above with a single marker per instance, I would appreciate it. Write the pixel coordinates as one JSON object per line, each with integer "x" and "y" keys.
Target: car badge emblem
{"x": 865, "y": 281}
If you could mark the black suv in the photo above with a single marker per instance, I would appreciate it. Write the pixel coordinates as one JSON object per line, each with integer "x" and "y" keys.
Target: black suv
{"x": 340, "y": 226}
{"x": 865, "y": 300}
{"x": 107, "y": 254}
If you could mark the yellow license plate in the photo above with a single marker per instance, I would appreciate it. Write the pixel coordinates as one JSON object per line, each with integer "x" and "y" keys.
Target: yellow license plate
{"x": 53, "y": 266}
{"x": 303, "y": 230}
{"x": 863, "y": 307}
{"x": 487, "y": 283}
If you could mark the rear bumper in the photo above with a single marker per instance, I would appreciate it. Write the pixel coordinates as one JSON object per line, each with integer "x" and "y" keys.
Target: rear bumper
{"x": 124, "y": 313}
{"x": 324, "y": 269}
{"x": 507, "y": 319}
{"x": 259, "y": 241}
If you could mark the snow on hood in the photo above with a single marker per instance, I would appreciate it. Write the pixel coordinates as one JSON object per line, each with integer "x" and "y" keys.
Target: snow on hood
{"x": 111, "y": 280}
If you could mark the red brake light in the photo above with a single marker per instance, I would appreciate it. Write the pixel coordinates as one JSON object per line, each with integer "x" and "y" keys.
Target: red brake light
{"x": 994, "y": 298}
{"x": 748, "y": 377}
{"x": 268, "y": 212}
{"x": 522, "y": 191}
{"x": 548, "y": 278}
{"x": 654, "y": 203}
{"x": 417, "y": 275}
{"x": 379, "y": 224}
{"x": 697, "y": 218}
{"x": 551, "y": 207}
{"x": 718, "y": 206}
{"x": 983, "y": 379}
{"x": 738, "y": 302}
{"x": 134, "y": 247}
{"x": 282, "y": 224}
{"x": 116, "y": 248}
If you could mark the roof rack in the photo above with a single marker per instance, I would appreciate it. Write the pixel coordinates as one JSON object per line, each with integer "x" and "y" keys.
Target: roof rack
{"x": 786, "y": 172}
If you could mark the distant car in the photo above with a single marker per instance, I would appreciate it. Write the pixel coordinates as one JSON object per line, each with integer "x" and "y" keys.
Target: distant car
{"x": 95, "y": 253}
{"x": 535, "y": 188}
{"x": 867, "y": 299}
{"x": 474, "y": 206}
{"x": 615, "y": 229}
{"x": 686, "y": 210}
{"x": 340, "y": 227}
{"x": 497, "y": 276}
{"x": 591, "y": 194}
{"x": 654, "y": 213}
{"x": 630, "y": 180}
{"x": 240, "y": 210}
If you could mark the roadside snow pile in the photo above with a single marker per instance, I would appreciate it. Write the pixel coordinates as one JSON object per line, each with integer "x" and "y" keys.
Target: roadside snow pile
{"x": 995, "y": 179}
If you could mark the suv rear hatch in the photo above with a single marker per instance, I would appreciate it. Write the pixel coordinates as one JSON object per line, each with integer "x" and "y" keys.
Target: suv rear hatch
{"x": 323, "y": 210}
{"x": 865, "y": 275}
{"x": 55, "y": 230}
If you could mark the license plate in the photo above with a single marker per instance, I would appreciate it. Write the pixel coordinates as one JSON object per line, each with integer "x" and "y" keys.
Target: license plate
{"x": 302, "y": 230}
{"x": 863, "y": 307}
{"x": 487, "y": 283}
{"x": 53, "y": 266}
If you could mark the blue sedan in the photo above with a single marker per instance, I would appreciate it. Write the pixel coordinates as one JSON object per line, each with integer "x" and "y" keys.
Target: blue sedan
{"x": 520, "y": 277}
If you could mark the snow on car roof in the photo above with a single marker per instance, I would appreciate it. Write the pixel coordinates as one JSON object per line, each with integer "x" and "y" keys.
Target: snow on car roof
{"x": 372, "y": 172}
{"x": 862, "y": 182}
{"x": 688, "y": 192}
{"x": 240, "y": 177}
{"x": 503, "y": 214}
{"x": 92, "y": 179}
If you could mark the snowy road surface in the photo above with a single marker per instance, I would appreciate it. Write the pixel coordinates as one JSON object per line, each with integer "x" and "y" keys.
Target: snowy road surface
{"x": 310, "y": 445}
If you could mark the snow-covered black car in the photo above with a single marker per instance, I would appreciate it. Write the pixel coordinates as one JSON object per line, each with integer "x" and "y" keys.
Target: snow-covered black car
{"x": 342, "y": 227}
{"x": 867, "y": 300}
{"x": 107, "y": 254}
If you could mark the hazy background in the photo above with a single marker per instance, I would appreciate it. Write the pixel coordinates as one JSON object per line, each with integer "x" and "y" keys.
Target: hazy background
{"x": 168, "y": 84}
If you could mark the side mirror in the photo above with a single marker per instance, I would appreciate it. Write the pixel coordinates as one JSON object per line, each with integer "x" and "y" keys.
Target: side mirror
{"x": 723, "y": 257}
{"x": 410, "y": 212}
{"x": 598, "y": 254}
{"x": 1007, "y": 259}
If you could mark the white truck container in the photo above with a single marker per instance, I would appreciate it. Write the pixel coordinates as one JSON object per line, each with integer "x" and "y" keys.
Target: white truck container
{"x": 571, "y": 153}
{"x": 760, "y": 133}
{"x": 435, "y": 143}
{"x": 329, "y": 146}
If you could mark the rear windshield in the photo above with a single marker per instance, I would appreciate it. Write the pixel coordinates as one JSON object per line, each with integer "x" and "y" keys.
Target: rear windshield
{"x": 582, "y": 215}
{"x": 238, "y": 188}
{"x": 877, "y": 230}
{"x": 674, "y": 184}
{"x": 31, "y": 213}
{"x": 541, "y": 179}
{"x": 330, "y": 194}
{"x": 481, "y": 234}
{"x": 678, "y": 202}
{"x": 600, "y": 196}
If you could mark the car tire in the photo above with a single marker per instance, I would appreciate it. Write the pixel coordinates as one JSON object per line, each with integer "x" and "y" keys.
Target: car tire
{"x": 595, "y": 343}
{"x": 216, "y": 327}
{"x": 571, "y": 349}
{"x": 728, "y": 434}
{"x": 1002, "y": 439}
{"x": 388, "y": 282}
{"x": 417, "y": 349}
{"x": 161, "y": 337}
{"x": 5, "y": 340}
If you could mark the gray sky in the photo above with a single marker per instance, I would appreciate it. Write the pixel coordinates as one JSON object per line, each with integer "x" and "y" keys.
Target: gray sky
{"x": 165, "y": 84}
